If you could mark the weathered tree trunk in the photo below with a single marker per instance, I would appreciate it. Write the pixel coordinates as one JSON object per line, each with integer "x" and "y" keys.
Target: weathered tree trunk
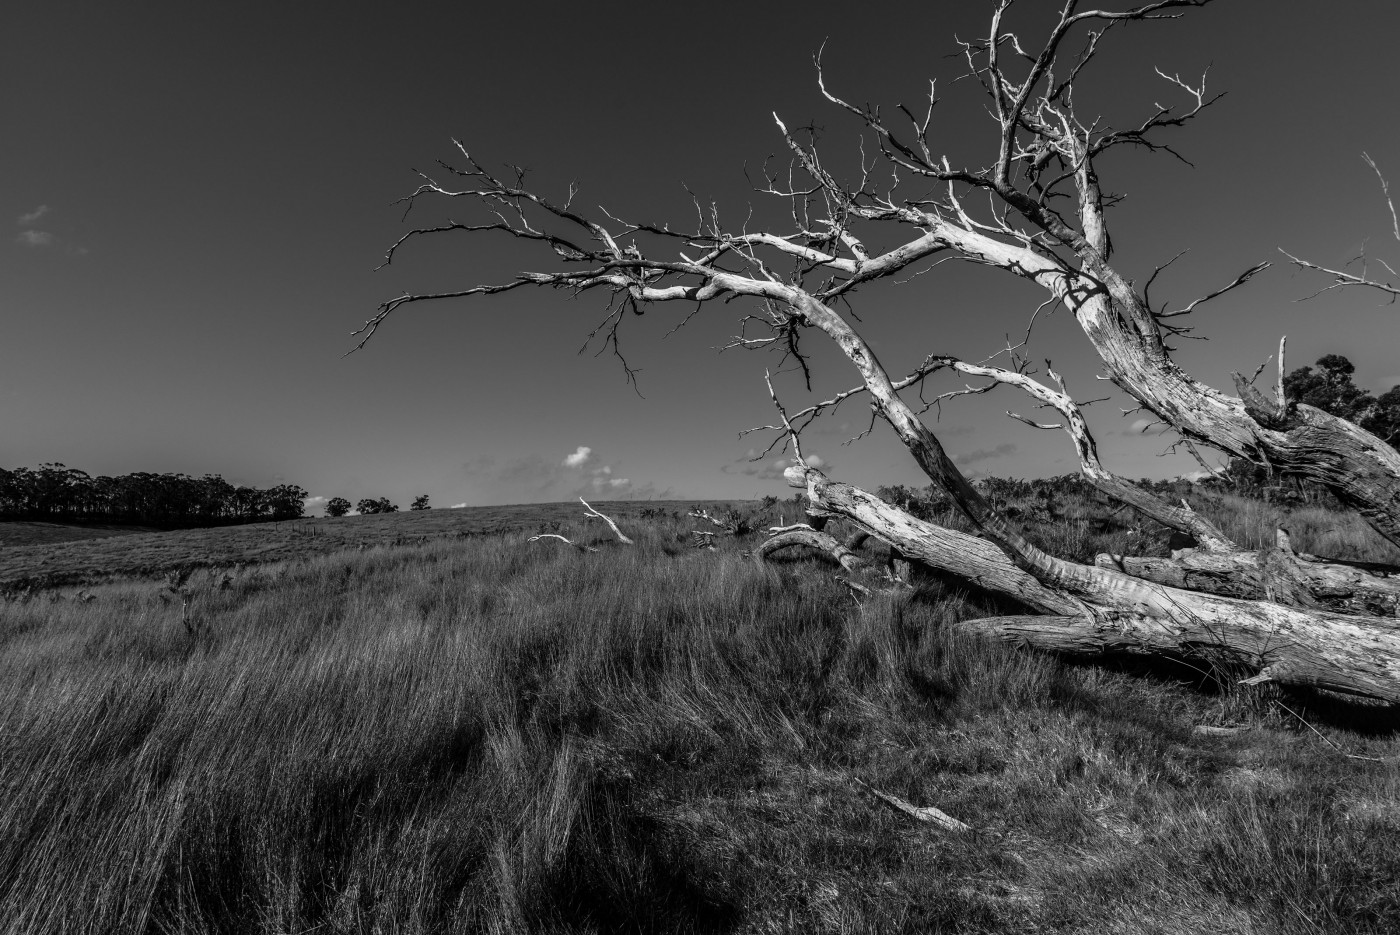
{"x": 1289, "y": 645}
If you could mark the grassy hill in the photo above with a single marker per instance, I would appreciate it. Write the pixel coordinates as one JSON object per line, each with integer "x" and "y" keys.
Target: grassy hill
{"x": 23, "y": 532}
{"x": 453, "y": 729}
{"x": 49, "y": 554}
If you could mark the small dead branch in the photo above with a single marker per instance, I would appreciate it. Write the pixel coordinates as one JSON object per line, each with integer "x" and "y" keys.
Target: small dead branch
{"x": 1330, "y": 742}
{"x": 1238, "y": 281}
{"x": 926, "y": 813}
{"x": 594, "y": 513}
{"x": 555, "y": 535}
{"x": 1340, "y": 278}
{"x": 730, "y": 521}
{"x": 857, "y": 589}
{"x": 1209, "y": 730}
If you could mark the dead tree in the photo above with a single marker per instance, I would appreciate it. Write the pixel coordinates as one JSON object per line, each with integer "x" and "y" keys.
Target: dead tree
{"x": 1295, "y": 619}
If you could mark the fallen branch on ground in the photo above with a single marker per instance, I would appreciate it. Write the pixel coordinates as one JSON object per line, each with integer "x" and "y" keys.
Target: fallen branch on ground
{"x": 555, "y": 535}
{"x": 925, "y": 813}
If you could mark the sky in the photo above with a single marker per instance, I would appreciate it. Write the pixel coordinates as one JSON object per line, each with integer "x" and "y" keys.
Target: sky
{"x": 197, "y": 196}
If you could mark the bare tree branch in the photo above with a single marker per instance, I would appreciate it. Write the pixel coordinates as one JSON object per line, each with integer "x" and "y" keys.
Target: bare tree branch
{"x": 1238, "y": 281}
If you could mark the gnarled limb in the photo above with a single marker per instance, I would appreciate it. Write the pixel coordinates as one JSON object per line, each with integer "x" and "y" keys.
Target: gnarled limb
{"x": 822, "y": 542}
{"x": 844, "y": 554}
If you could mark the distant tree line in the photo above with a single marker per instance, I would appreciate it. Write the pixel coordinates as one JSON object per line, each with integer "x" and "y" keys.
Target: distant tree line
{"x": 58, "y": 493}
{"x": 339, "y": 506}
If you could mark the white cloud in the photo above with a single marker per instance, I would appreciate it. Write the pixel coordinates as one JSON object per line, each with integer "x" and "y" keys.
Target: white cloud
{"x": 31, "y": 216}
{"x": 35, "y": 238}
{"x": 314, "y": 503}
{"x": 456, "y": 506}
{"x": 579, "y": 458}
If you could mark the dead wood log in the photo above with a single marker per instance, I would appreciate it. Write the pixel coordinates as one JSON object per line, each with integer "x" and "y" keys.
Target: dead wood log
{"x": 1111, "y": 612}
{"x": 1278, "y": 574}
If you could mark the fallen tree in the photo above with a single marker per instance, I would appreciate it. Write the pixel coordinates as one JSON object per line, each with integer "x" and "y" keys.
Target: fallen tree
{"x": 1295, "y": 619}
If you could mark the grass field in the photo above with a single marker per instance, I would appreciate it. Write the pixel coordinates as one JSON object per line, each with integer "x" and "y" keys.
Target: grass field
{"x": 48, "y": 554}
{"x": 446, "y": 732}
{"x": 24, "y": 533}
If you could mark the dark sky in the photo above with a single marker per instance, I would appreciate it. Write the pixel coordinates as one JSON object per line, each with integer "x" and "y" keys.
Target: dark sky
{"x": 198, "y": 195}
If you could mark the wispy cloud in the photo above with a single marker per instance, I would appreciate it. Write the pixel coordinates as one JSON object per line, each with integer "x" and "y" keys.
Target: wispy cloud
{"x": 985, "y": 454}
{"x": 456, "y": 506}
{"x": 30, "y": 217}
{"x": 35, "y": 238}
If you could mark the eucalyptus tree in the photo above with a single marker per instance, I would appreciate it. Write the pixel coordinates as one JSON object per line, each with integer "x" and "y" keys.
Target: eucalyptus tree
{"x": 1035, "y": 209}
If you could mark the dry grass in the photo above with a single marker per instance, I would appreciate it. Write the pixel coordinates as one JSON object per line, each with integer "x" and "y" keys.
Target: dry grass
{"x": 481, "y": 734}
